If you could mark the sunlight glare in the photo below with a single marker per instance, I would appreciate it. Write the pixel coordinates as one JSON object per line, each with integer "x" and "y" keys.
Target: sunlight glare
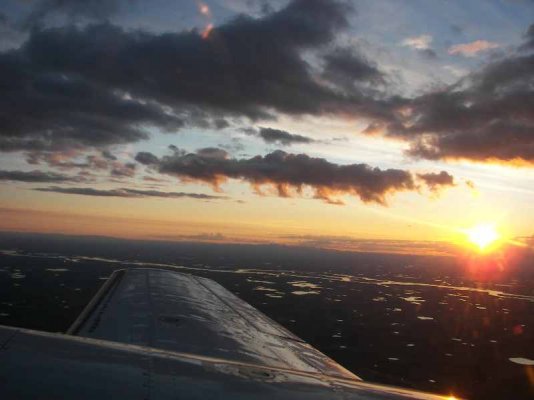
{"x": 482, "y": 235}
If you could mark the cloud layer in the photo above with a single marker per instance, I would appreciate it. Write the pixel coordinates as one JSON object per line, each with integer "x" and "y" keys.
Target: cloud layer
{"x": 280, "y": 137}
{"x": 128, "y": 193}
{"x": 36, "y": 176}
{"x": 100, "y": 84}
{"x": 290, "y": 174}
{"x": 97, "y": 85}
{"x": 487, "y": 116}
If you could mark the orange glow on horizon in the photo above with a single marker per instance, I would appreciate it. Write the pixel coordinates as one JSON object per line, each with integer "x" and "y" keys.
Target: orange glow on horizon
{"x": 182, "y": 228}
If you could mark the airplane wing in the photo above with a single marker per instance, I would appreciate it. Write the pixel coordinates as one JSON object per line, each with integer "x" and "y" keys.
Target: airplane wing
{"x": 159, "y": 334}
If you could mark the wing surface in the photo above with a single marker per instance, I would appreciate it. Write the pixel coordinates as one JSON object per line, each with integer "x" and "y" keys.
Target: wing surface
{"x": 161, "y": 335}
{"x": 42, "y": 365}
{"x": 172, "y": 311}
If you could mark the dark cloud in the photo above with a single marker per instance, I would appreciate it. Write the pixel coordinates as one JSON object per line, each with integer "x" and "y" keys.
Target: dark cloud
{"x": 491, "y": 119}
{"x": 123, "y": 170}
{"x": 529, "y": 38}
{"x": 36, "y": 176}
{"x": 437, "y": 181}
{"x": 428, "y": 54}
{"x": 221, "y": 123}
{"x": 347, "y": 68}
{"x": 49, "y": 111}
{"x": 281, "y": 137}
{"x": 485, "y": 117}
{"x": 290, "y": 174}
{"x": 146, "y": 158}
{"x": 99, "y": 85}
{"x": 108, "y": 155}
{"x": 129, "y": 193}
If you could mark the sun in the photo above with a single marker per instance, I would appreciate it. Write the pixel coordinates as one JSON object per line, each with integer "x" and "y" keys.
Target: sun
{"x": 483, "y": 235}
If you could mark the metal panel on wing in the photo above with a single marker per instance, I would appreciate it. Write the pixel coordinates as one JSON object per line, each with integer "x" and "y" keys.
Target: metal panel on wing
{"x": 168, "y": 310}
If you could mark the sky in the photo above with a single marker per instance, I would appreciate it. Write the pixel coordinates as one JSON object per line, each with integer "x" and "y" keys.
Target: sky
{"x": 374, "y": 125}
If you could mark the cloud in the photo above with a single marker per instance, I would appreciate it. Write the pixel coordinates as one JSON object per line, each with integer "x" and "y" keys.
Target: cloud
{"x": 486, "y": 117}
{"x": 108, "y": 155}
{"x": 347, "y": 68}
{"x": 428, "y": 54}
{"x": 291, "y": 174}
{"x": 422, "y": 45}
{"x": 208, "y": 153}
{"x": 473, "y": 48}
{"x": 456, "y": 71}
{"x": 36, "y": 176}
{"x": 85, "y": 163}
{"x": 491, "y": 119}
{"x": 421, "y": 42}
{"x": 529, "y": 38}
{"x": 437, "y": 181}
{"x": 281, "y": 137}
{"x": 91, "y": 9}
{"x": 98, "y": 85}
{"x": 123, "y": 170}
{"x": 146, "y": 158}
{"x": 202, "y": 237}
{"x": 82, "y": 87}
{"x": 128, "y": 193}
{"x": 49, "y": 111}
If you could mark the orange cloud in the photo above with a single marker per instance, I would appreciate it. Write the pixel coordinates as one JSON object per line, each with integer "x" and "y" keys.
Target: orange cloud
{"x": 473, "y": 48}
